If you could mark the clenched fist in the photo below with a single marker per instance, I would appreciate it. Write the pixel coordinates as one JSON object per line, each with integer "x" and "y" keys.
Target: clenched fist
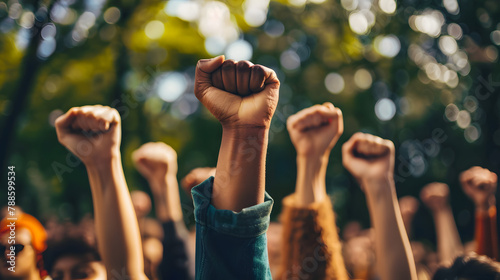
{"x": 369, "y": 158}
{"x": 409, "y": 206}
{"x": 480, "y": 185}
{"x": 196, "y": 177}
{"x": 315, "y": 130}
{"x": 92, "y": 133}
{"x": 155, "y": 160}
{"x": 238, "y": 94}
{"x": 435, "y": 196}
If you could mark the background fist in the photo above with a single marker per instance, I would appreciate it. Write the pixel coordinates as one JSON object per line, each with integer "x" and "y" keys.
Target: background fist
{"x": 435, "y": 196}
{"x": 480, "y": 185}
{"x": 92, "y": 133}
{"x": 155, "y": 160}
{"x": 368, "y": 157}
{"x": 315, "y": 130}
{"x": 196, "y": 177}
{"x": 408, "y": 206}
{"x": 238, "y": 94}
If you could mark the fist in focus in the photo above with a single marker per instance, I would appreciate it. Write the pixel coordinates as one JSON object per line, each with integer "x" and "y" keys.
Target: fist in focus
{"x": 196, "y": 177}
{"x": 369, "y": 158}
{"x": 155, "y": 160}
{"x": 480, "y": 185}
{"x": 92, "y": 133}
{"x": 315, "y": 130}
{"x": 435, "y": 196}
{"x": 238, "y": 94}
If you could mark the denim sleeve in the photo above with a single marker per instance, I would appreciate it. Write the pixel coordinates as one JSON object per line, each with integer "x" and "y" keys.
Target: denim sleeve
{"x": 230, "y": 245}
{"x": 176, "y": 259}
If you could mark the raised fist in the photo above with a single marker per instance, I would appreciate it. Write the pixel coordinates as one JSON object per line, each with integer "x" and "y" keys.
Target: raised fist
{"x": 196, "y": 177}
{"x": 480, "y": 185}
{"x": 435, "y": 196}
{"x": 368, "y": 157}
{"x": 315, "y": 130}
{"x": 92, "y": 133}
{"x": 238, "y": 94}
{"x": 155, "y": 160}
{"x": 408, "y": 206}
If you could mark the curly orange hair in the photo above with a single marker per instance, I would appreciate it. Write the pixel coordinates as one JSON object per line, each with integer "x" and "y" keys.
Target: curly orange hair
{"x": 38, "y": 235}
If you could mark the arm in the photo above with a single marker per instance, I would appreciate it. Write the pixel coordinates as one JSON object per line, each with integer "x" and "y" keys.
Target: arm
{"x": 370, "y": 160}
{"x": 409, "y": 206}
{"x": 308, "y": 217}
{"x": 435, "y": 197}
{"x": 232, "y": 211}
{"x": 157, "y": 162}
{"x": 480, "y": 185}
{"x": 93, "y": 134}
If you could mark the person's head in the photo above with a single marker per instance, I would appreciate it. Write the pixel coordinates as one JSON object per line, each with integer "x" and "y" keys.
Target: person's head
{"x": 470, "y": 267}
{"x": 27, "y": 237}
{"x": 73, "y": 258}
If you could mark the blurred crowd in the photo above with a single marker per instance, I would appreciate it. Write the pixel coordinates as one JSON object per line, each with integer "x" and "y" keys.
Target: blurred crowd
{"x": 233, "y": 237}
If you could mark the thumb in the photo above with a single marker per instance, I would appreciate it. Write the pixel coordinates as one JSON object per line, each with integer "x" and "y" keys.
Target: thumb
{"x": 203, "y": 74}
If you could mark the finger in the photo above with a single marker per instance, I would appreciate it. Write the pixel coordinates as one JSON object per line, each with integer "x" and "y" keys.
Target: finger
{"x": 106, "y": 117}
{"x": 243, "y": 77}
{"x": 217, "y": 79}
{"x": 203, "y": 77}
{"x": 80, "y": 123}
{"x": 350, "y": 146}
{"x": 229, "y": 76}
{"x": 92, "y": 122}
{"x": 340, "y": 122}
{"x": 257, "y": 79}
{"x": 270, "y": 77}
{"x": 65, "y": 121}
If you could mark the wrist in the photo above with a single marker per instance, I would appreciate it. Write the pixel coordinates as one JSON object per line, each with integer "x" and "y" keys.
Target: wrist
{"x": 311, "y": 173}
{"x": 246, "y": 132}
{"x": 377, "y": 187}
{"x": 484, "y": 206}
{"x": 102, "y": 161}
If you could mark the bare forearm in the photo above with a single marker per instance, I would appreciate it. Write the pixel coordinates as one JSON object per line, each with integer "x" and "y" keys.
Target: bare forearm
{"x": 394, "y": 256}
{"x": 310, "y": 186}
{"x": 448, "y": 239}
{"x": 117, "y": 233}
{"x": 240, "y": 179}
{"x": 167, "y": 200}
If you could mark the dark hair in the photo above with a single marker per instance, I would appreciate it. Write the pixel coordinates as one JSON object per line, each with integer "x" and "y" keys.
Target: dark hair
{"x": 68, "y": 247}
{"x": 470, "y": 267}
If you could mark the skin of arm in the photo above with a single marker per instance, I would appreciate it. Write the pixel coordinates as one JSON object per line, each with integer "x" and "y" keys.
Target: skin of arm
{"x": 314, "y": 132}
{"x": 157, "y": 162}
{"x": 93, "y": 134}
{"x": 409, "y": 206}
{"x": 370, "y": 160}
{"x": 435, "y": 196}
{"x": 480, "y": 185}
{"x": 243, "y": 97}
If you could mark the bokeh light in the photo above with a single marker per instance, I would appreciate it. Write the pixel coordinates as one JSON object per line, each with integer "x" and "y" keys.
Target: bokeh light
{"x": 290, "y": 60}
{"x": 363, "y": 79}
{"x": 239, "y": 50}
{"x": 171, "y": 85}
{"x": 154, "y": 29}
{"x": 385, "y": 109}
{"x": 387, "y": 6}
{"x": 334, "y": 83}
{"x": 388, "y": 46}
